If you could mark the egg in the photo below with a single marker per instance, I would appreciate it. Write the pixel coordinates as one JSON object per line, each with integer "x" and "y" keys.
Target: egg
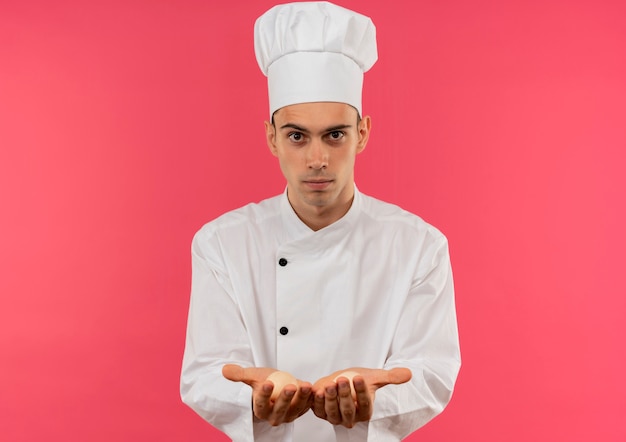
{"x": 349, "y": 375}
{"x": 280, "y": 379}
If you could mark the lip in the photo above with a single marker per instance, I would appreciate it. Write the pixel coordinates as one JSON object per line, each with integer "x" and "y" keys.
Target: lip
{"x": 318, "y": 184}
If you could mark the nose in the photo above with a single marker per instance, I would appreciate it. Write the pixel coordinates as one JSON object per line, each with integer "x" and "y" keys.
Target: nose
{"x": 317, "y": 155}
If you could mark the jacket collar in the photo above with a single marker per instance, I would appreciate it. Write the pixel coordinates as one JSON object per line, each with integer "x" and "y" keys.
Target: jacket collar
{"x": 296, "y": 229}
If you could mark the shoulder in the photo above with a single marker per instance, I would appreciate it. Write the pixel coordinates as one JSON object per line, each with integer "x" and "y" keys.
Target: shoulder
{"x": 253, "y": 214}
{"x": 391, "y": 216}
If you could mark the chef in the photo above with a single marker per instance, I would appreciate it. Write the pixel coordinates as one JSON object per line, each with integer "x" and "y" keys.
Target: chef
{"x": 348, "y": 298}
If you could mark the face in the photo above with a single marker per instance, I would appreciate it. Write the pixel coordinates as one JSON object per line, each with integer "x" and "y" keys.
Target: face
{"x": 316, "y": 145}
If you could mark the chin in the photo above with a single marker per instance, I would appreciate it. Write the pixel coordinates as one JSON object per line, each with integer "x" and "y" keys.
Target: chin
{"x": 317, "y": 202}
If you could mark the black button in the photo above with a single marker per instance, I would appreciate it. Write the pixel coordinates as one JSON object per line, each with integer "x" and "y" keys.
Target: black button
{"x": 284, "y": 330}
{"x": 282, "y": 262}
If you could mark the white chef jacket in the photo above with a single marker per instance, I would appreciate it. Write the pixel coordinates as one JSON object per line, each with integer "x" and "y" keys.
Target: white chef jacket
{"x": 374, "y": 289}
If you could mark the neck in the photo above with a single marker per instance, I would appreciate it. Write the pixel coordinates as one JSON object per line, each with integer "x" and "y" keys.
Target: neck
{"x": 318, "y": 217}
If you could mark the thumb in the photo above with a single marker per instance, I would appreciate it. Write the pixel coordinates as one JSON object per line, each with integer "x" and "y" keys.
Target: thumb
{"x": 233, "y": 372}
{"x": 399, "y": 375}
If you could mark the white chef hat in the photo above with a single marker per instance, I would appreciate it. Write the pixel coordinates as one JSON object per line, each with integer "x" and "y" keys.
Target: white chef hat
{"x": 314, "y": 51}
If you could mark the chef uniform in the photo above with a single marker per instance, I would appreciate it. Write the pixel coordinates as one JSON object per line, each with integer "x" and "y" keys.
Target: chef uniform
{"x": 374, "y": 289}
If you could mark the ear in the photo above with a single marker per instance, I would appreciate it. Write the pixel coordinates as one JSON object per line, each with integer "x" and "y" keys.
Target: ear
{"x": 365, "y": 126}
{"x": 270, "y": 136}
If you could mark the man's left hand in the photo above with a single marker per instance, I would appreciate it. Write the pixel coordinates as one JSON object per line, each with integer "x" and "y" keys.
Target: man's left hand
{"x": 333, "y": 400}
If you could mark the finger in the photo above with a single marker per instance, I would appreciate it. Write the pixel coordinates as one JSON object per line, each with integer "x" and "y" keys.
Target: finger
{"x": 331, "y": 406}
{"x": 233, "y": 372}
{"x": 342, "y": 379}
{"x": 300, "y": 403}
{"x": 319, "y": 404}
{"x": 363, "y": 399}
{"x": 346, "y": 402}
{"x": 307, "y": 406}
{"x": 399, "y": 375}
{"x": 282, "y": 405}
{"x": 261, "y": 404}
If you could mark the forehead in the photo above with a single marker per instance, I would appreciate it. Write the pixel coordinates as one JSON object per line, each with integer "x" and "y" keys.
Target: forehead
{"x": 316, "y": 115}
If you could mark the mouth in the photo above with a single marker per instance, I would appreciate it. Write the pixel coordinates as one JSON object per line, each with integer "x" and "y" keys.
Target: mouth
{"x": 318, "y": 184}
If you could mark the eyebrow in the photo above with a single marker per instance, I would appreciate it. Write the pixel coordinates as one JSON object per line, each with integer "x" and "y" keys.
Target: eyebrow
{"x": 302, "y": 129}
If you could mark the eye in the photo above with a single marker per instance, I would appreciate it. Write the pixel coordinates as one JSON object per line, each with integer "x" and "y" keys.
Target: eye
{"x": 336, "y": 135}
{"x": 295, "y": 137}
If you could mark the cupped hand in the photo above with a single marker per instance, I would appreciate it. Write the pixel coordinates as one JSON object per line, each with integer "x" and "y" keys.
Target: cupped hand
{"x": 333, "y": 400}
{"x": 293, "y": 401}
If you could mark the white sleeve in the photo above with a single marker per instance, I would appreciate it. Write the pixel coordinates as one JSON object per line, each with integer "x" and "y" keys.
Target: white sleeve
{"x": 426, "y": 341}
{"x": 216, "y": 336}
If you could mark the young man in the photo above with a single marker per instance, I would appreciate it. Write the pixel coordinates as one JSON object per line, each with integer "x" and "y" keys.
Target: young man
{"x": 321, "y": 280}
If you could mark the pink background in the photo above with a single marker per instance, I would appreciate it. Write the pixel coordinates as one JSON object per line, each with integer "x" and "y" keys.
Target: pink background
{"x": 126, "y": 125}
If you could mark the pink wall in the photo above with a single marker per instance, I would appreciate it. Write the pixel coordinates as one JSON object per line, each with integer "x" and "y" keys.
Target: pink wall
{"x": 124, "y": 126}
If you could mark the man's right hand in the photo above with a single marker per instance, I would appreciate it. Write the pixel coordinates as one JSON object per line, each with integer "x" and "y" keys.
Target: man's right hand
{"x": 292, "y": 402}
